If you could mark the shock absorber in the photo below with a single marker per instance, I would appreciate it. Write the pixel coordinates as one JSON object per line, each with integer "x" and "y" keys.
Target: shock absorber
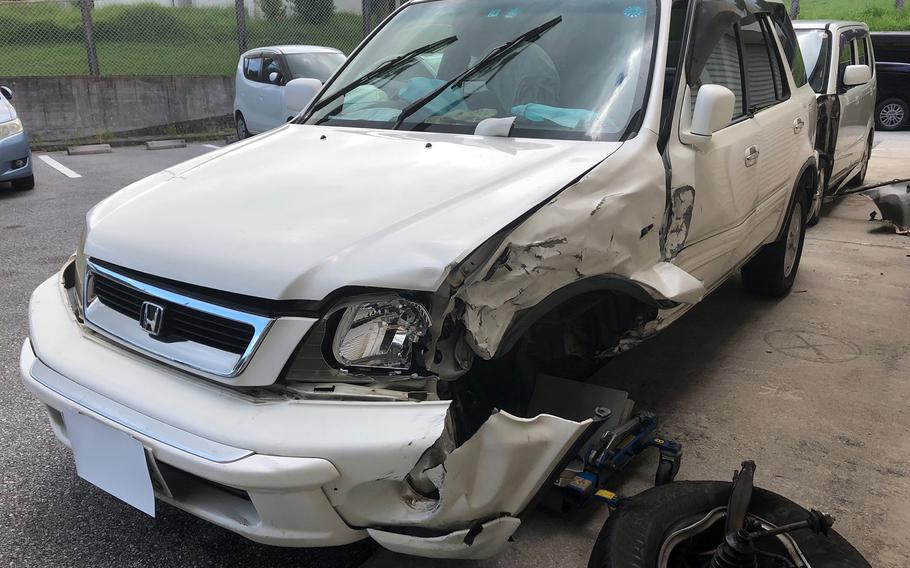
{"x": 738, "y": 548}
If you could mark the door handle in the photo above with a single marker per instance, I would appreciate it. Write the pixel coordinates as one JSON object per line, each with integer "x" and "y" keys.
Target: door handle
{"x": 751, "y": 156}
{"x": 798, "y": 125}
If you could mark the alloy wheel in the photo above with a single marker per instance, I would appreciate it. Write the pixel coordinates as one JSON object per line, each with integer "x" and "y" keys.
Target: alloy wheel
{"x": 891, "y": 115}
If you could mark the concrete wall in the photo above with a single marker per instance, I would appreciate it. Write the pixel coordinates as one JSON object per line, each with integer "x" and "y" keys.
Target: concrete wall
{"x": 67, "y": 109}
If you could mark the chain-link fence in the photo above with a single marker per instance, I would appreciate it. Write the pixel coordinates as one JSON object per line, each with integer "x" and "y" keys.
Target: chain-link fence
{"x": 169, "y": 37}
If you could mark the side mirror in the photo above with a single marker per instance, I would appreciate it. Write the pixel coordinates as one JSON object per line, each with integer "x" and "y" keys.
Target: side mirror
{"x": 857, "y": 75}
{"x": 7, "y": 93}
{"x": 275, "y": 78}
{"x": 713, "y": 111}
{"x": 299, "y": 92}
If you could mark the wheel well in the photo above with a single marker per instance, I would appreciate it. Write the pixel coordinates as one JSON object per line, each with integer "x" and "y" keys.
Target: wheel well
{"x": 570, "y": 339}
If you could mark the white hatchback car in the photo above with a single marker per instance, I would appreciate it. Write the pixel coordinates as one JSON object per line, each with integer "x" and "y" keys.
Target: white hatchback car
{"x": 352, "y": 340}
{"x": 261, "y": 100}
{"x": 840, "y": 65}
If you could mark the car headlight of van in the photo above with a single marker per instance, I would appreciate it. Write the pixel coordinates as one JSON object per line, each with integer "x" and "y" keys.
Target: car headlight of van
{"x": 380, "y": 333}
{"x": 10, "y": 127}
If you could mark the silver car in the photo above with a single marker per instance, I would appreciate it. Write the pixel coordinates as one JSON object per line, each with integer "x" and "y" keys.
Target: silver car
{"x": 15, "y": 156}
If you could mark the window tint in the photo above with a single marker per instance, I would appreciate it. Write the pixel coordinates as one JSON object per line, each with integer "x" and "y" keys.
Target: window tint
{"x": 252, "y": 68}
{"x": 763, "y": 84}
{"x": 271, "y": 64}
{"x": 783, "y": 28}
{"x": 861, "y": 57}
{"x": 722, "y": 68}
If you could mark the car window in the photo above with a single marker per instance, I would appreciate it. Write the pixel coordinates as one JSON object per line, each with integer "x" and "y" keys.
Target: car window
{"x": 845, "y": 57}
{"x": 252, "y": 68}
{"x": 815, "y": 46}
{"x": 721, "y": 67}
{"x": 891, "y": 47}
{"x": 319, "y": 66}
{"x": 861, "y": 57}
{"x": 763, "y": 79}
{"x": 783, "y": 28}
{"x": 272, "y": 64}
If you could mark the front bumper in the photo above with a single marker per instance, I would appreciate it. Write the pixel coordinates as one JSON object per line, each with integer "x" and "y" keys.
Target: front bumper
{"x": 12, "y": 149}
{"x": 294, "y": 472}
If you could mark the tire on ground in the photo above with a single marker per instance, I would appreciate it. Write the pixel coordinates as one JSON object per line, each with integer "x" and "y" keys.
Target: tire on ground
{"x": 765, "y": 274}
{"x": 897, "y": 120}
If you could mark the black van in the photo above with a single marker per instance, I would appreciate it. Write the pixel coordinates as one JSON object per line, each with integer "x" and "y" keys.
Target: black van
{"x": 892, "y": 65}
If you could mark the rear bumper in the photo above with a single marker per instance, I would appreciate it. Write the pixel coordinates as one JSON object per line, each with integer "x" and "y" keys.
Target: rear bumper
{"x": 12, "y": 149}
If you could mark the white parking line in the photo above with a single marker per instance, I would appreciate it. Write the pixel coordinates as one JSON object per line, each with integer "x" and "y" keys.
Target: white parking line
{"x": 212, "y": 146}
{"x": 59, "y": 167}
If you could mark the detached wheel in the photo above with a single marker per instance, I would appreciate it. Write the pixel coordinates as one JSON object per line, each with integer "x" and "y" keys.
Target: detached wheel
{"x": 24, "y": 184}
{"x": 242, "y": 131}
{"x": 772, "y": 271}
{"x": 681, "y": 524}
{"x": 891, "y": 114}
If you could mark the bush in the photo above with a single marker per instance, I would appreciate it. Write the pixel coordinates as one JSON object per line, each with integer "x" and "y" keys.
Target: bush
{"x": 143, "y": 22}
{"x": 315, "y": 11}
{"x": 43, "y": 31}
{"x": 272, "y": 9}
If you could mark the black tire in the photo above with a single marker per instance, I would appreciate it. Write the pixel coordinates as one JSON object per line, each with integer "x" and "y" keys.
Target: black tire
{"x": 769, "y": 273}
{"x": 240, "y": 123}
{"x": 860, "y": 178}
{"x": 636, "y": 530}
{"x": 891, "y": 114}
{"x": 24, "y": 183}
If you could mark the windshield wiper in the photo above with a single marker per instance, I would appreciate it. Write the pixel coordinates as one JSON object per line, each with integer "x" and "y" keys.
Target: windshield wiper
{"x": 387, "y": 67}
{"x": 496, "y": 54}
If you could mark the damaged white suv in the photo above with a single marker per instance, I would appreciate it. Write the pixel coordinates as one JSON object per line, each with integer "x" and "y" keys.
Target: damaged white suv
{"x": 342, "y": 328}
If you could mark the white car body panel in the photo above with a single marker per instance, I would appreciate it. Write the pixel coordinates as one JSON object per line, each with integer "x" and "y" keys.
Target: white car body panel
{"x": 452, "y": 197}
{"x": 486, "y": 227}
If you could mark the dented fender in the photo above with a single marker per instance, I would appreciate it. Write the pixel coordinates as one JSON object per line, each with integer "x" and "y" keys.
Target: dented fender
{"x": 615, "y": 220}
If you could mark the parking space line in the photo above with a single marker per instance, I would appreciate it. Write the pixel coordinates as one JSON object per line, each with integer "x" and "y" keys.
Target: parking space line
{"x": 58, "y": 166}
{"x": 211, "y": 146}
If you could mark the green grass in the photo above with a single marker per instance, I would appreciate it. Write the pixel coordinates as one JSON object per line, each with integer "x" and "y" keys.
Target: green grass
{"x": 880, "y": 15}
{"x": 42, "y": 39}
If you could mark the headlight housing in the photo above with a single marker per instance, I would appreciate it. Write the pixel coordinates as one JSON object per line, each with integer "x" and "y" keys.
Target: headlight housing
{"x": 380, "y": 333}
{"x": 11, "y": 127}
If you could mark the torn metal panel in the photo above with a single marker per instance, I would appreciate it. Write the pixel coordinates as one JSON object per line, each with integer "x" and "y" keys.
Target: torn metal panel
{"x": 600, "y": 225}
{"x": 484, "y": 541}
{"x": 494, "y": 473}
{"x": 682, "y": 203}
{"x": 893, "y": 202}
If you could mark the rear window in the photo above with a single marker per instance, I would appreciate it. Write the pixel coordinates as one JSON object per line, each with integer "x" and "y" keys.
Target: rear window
{"x": 892, "y": 47}
{"x": 313, "y": 65}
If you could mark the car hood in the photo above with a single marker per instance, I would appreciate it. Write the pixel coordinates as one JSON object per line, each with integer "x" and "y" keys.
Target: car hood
{"x": 304, "y": 210}
{"x": 7, "y": 112}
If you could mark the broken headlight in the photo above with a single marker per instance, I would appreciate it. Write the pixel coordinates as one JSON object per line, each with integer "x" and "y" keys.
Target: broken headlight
{"x": 380, "y": 333}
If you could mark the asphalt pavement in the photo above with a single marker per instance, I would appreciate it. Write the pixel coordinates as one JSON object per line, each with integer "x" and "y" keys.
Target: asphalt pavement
{"x": 813, "y": 387}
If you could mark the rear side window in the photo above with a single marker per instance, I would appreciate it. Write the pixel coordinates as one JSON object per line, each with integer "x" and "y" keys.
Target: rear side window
{"x": 252, "y": 68}
{"x": 721, "y": 67}
{"x": 764, "y": 81}
{"x": 862, "y": 57}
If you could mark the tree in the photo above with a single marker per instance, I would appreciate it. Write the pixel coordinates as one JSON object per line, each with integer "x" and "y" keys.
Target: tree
{"x": 794, "y": 9}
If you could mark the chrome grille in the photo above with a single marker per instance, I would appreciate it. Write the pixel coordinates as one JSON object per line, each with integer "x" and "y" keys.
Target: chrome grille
{"x": 193, "y": 332}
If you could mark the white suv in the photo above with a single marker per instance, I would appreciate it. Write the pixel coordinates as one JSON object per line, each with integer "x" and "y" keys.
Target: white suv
{"x": 352, "y": 341}
{"x": 267, "y": 74}
{"x": 840, "y": 65}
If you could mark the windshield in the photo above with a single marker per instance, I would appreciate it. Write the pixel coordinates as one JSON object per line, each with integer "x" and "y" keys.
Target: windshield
{"x": 313, "y": 65}
{"x": 816, "y": 48}
{"x": 582, "y": 76}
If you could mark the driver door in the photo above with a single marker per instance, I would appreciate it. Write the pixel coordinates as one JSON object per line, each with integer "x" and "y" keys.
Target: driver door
{"x": 271, "y": 92}
{"x": 723, "y": 171}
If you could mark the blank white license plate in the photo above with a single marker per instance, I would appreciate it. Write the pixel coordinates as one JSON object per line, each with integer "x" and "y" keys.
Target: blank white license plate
{"x": 112, "y": 460}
